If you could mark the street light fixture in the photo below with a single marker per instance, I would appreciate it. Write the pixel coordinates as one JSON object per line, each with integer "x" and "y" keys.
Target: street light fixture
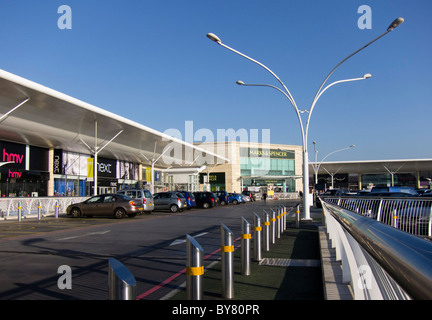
{"x": 287, "y": 93}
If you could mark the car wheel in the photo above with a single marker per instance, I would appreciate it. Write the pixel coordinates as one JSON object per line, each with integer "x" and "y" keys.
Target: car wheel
{"x": 206, "y": 205}
{"x": 235, "y": 201}
{"x": 223, "y": 203}
{"x": 75, "y": 213}
{"x": 119, "y": 213}
{"x": 174, "y": 208}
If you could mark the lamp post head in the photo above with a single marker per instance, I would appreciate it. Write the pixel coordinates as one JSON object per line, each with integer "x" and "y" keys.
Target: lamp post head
{"x": 214, "y": 38}
{"x": 395, "y": 24}
{"x": 240, "y": 83}
{"x": 367, "y": 76}
{"x": 352, "y": 146}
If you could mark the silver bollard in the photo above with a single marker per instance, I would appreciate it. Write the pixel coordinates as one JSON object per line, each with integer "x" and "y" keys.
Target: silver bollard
{"x": 57, "y": 209}
{"x": 266, "y": 231}
{"x": 298, "y": 216}
{"x": 273, "y": 227}
{"x": 19, "y": 211}
{"x": 278, "y": 223}
{"x": 121, "y": 283}
{"x": 227, "y": 250}
{"x": 245, "y": 247}
{"x": 284, "y": 219}
{"x": 257, "y": 238}
{"x": 39, "y": 210}
{"x": 194, "y": 269}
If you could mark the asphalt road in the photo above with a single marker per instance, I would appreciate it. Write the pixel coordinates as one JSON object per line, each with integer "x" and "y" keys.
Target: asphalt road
{"x": 34, "y": 254}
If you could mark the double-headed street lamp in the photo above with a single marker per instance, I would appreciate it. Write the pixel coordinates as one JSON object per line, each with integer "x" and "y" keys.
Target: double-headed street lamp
{"x": 286, "y": 92}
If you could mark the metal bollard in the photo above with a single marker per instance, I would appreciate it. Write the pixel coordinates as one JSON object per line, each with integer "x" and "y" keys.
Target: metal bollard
{"x": 227, "y": 249}
{"x": 278, "y": 223}
{"x": 194, "y": 269}
{"x": 57, "y": 209}
{"x": 121, "y": 283}
{"x": 19, "y": 211}
{"x": 245, "y": 247}
{"x": 39, "y": 210}
{"x": 257, "y": 238}
{"x": 266, "y": 232}
{"x": 273, "y": 227}
{"x": 298, "y": 216}
{"x": 285, "y": 218}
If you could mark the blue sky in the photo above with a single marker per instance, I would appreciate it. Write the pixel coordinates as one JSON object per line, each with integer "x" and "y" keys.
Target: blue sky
{"x": 150, "y": 61}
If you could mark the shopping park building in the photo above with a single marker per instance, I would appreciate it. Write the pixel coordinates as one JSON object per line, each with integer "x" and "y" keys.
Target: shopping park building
{"x": 49, "y": 143}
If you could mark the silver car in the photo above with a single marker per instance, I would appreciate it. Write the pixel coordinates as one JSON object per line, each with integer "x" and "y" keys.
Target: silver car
{"x": 173, "y": 201}
{"x": 141, "y": 194}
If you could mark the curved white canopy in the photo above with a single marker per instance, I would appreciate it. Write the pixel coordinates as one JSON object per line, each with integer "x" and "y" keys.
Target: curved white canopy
{"x": 52, "y": 119}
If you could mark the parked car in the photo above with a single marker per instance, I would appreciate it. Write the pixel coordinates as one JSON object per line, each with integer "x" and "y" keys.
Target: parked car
{"x": 250, "y": 194}
{"x": 235, "y": 198}
{"x": 142, "y": 194}
{"x": 223, "y": 197}
{"x": 117, "y": 205}
{"x": 172, "y": 200}
{"x": 206, "y": 199}
{"x": 190, "y": 199}
{"x": 409, "y": 190}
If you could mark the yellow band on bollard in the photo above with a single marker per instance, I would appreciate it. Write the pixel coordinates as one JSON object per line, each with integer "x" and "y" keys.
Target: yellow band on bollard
{"x": 395, "y": 217}
{"x": 266, "y": 223}
{"x": 195, "y": 271}
{"x": 227, "y": 248}
{"x": 19, "y": 208}
{"x": 246, "y": 236}
{"x": 272, "y": 220}
{"x": 297, "y": 211}
{"x": 257, "y": 229}
{"x": 278, "y": 217}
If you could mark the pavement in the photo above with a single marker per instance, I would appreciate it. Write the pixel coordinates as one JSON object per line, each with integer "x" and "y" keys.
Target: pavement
{"x": 292, "y": 269}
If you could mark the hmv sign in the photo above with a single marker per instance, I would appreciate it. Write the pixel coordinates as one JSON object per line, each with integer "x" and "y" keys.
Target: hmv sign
{"x": 11, "y": 152}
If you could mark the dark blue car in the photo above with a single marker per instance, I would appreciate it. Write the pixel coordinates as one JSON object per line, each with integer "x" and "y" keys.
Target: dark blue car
{"x": 190, "y": 199}
{"x": 223, "y": 197}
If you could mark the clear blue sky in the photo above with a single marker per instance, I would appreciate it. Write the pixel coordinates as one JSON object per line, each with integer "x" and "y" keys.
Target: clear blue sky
{"x": 150, "y": 61}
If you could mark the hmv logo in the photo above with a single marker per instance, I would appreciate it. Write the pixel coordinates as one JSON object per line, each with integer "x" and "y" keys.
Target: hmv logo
{"x": 14, "y": 157}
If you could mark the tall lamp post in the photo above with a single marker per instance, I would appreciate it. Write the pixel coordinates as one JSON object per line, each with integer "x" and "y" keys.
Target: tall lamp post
{"x": 286, "y": 92}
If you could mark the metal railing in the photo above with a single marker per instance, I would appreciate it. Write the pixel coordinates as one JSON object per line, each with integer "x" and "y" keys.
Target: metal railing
{"x": 378, "y": 260}
{"x": 409, "y": 214}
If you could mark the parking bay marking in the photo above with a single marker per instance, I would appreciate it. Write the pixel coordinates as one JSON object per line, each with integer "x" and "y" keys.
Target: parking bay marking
{"x": 85, "y": 235}
{"x": 179, "y": 241}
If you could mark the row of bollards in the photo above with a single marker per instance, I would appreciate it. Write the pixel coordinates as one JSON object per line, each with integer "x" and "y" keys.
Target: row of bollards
{"x": 264, "y": 233}
{"x": 39, "y": 210}
{"x": 266, "y": 229}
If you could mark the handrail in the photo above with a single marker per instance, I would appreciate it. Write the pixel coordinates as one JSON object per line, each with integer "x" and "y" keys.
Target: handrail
{"x": 405, "y": 257}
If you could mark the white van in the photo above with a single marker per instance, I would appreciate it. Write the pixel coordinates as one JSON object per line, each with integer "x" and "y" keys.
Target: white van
{"x": 142, "y": 194}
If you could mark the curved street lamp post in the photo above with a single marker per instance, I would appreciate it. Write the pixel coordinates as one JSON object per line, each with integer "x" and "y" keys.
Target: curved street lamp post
{"x": 286, "y": 92}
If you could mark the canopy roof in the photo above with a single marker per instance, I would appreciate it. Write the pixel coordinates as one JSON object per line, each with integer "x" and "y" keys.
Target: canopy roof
{"x": 52, "y": 119}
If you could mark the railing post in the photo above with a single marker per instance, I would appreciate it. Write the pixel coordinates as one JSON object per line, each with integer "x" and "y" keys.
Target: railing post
{"x": 227, "y": 249}
{"x": 121, "y": 283}
{"x": 266, "y": 231}
{"x": 245, "y": 247}
{"x": 194, "y": 269}
{"x": 257, "y": 238}
{"x": 394, "y": 219}
{"x": 19, "y": 211}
